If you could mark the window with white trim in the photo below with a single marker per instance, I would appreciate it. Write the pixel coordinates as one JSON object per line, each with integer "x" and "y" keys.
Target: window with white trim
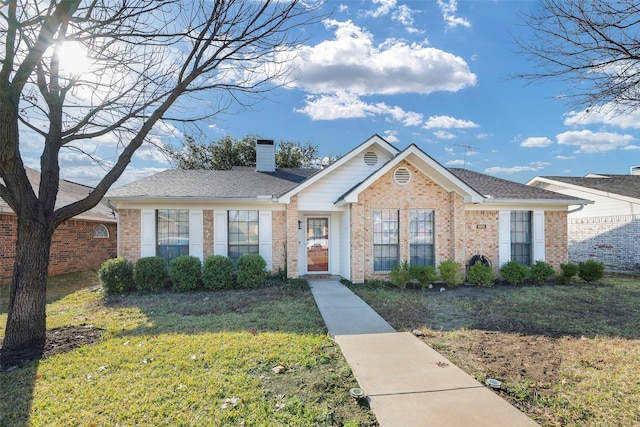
{"x": 521, "y": 248}
{"x": 421, "y": 238}
{"x": 243, "y": 237}
{"x": 101, "y": 232}
{"x": 386, "y": 239}
{"x": 172, "y": 233}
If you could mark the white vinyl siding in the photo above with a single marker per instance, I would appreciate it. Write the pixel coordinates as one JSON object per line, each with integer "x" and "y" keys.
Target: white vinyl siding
{"x": 538, "y": 236}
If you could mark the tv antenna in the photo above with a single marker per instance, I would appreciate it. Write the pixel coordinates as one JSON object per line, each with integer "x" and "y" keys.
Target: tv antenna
{"x": 466, "y": 150}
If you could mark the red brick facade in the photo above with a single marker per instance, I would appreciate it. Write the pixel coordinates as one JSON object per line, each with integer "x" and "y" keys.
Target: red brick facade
{"x": 73, "y": 247}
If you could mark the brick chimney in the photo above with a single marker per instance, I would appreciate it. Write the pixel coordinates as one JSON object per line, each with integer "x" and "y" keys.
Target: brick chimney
{"x": 265, "y": 155}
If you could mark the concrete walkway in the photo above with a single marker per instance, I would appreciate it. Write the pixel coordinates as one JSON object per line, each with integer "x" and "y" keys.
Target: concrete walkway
{"x": 408, "y": 384}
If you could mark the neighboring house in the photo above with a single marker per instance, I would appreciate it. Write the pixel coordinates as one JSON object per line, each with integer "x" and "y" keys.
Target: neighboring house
{"x": 607, "y": 230}
{"x": 80, "y": 244}
{"x": 357, "y": 218}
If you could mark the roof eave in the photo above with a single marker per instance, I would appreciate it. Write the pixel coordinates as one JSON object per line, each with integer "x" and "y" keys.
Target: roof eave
{"x": 558, "y": 202}
{"x": 182, "y": 199}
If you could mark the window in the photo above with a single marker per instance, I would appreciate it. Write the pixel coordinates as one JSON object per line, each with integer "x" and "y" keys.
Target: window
{"x": 421, "y": 238}
{"x": 521, "y": 237}
{"x": 101, "y": 232}
{"x": 385, "y": 239}
{"x": 172, "y": 238}
{"x": 243, "y": 234}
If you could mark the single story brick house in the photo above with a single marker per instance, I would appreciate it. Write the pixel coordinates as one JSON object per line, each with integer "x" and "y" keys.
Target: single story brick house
{"x": 80, "y": 244}
{"x": 357, "y": 218}
{"x": 607, "y": 230}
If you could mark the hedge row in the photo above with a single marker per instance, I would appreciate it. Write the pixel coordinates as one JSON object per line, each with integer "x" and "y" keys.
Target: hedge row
{"x": 185, "y": 273}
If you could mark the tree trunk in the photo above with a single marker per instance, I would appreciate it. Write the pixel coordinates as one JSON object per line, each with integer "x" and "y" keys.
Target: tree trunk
{"x": 25, "y": 334}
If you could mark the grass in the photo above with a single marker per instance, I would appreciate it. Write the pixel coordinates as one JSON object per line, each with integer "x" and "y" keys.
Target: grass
{"x": 567, "y": 354}
{"x": 201, "y": 358}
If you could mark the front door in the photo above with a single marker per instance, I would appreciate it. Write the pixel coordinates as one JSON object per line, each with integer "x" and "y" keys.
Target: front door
{"x": 318, "y": 245}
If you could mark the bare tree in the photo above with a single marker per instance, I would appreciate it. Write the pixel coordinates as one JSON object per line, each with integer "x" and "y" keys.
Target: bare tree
{"x": 146, "y": 59}
{"x": 593, "y": 44}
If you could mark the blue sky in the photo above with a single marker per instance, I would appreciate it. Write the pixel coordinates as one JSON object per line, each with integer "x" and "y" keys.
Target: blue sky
{"x": 435, "y": 74}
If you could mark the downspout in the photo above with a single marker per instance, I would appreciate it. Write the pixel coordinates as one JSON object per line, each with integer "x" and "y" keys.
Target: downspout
{"x": 113, "y": 211}
{"x": 579, "y": 208}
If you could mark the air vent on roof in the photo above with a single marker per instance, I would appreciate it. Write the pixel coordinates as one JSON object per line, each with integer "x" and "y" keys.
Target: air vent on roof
{"x": 370, "y": 158}
{"x": 402, "y": 176}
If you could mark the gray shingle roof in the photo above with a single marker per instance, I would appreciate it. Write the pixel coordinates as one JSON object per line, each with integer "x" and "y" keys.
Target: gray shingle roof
{"x": 68, "y": 193}
{"x": 624, "y": 185}
{"x": 241, "y": 182}
{"x": 499, "y": 188}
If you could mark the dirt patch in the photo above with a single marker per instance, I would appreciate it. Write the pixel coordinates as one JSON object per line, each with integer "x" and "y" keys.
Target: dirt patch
{"x": 60, "y": 340}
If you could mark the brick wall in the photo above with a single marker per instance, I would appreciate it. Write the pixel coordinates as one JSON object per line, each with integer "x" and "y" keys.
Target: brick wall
{"x": 419, "y": 193}
{"x": 279, "y": 237}
{"x": 73, "y": 247}
{"x": 292, "y": 237}
{"x": 614, "y": 240}
{"x": 556, "y": 241}
{"x": 129, "y": 246}
{"x": 481, "y": 235}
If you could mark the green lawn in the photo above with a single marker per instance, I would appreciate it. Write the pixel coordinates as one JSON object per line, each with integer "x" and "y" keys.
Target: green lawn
{"x": 202, "y": 358}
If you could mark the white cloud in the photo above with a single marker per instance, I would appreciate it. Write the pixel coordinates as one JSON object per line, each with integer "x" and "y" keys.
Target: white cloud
{"x": 383, "y": 8}
{"x": 457, "y": 163}
{"x": 565, "y": 157}
{"x": 632, "y": 147}
{"x": 449, "y": 9}
{"x": 482, "y": 136}
{"x": 497, "y": 170}
{"x": 606, "y": 115}
{"x": 352, "y": 62}
{"x": 404, "y": 15}
{"x": 391, "y": 136}
{"x": 594, "y": 142}
{"x": 344, "y": 105}
{"x": 446, "y": 122}
{"x": 442, "y": 134}
{"x": 536, "y": 142}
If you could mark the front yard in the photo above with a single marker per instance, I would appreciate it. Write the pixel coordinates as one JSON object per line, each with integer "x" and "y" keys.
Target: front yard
{"x": 250, "y": 357}
{"x": 566, "y": 355}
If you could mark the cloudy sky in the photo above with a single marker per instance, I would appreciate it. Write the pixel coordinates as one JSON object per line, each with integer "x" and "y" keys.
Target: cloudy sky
{"x": 432, "y": 73}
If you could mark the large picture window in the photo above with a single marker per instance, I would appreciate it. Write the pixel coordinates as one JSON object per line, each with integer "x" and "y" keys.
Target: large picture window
{"x": 521, "y": 237}
{"x": 386, "y": 239}
{"x": 172, "y": 228}
{"x": 243, "y": 234}
{"x": 421, "y": 238}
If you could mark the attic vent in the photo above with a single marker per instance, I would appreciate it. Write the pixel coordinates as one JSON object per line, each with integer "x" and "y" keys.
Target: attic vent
{"x": 370, "y": 158}
{"x": 402, "y": 176}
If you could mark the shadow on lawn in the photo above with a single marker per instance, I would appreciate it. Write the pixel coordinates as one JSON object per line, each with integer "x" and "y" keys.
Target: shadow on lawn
{"x": 17, "y": 386}
{"x": 284, "y": 308}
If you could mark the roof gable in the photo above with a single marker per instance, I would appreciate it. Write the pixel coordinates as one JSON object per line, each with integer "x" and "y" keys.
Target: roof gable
{"x": 376, "y": 143}
{"x": 425, "y": 164}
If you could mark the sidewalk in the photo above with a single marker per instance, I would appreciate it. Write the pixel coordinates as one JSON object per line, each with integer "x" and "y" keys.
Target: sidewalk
{"x": 407, "y": 382}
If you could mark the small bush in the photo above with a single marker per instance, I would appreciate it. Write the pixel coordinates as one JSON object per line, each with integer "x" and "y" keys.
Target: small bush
{"x": 568, "y": 271}
{"x": 116, "y": 275}
{"x": 424, "y": 274}
{"x": 185, "y": 273}
{"x": 251, "y": 271}
{"x": 150, "y": 273}
{"x": 541, "y": 271}
{"x": 591, "y": 270}
{"x": 481, "y": 274}
{"x": 515, "y": 273}
{"x": 217, "y": 272}
{"x": 400, "y": 275}
{"x": 451, "y": 272}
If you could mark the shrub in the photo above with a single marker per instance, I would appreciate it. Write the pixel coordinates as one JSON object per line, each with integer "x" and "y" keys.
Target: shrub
{"x": 116, "y": 275}
{"x": 541, "y": 271}
{"x": 400, "y": 275}
{"x": 451, "y": 272}
{"x": 568, "y": 271}
{"x": 185, "y": 273}
{"x": 217, "y": 272}
{"x": 424, "y": 274}
{"x": 150, "y": 273}
{"x": 590, "y": 270}
{"x": 251, "y": 271}
{"x": 514, "y": 272}
{"x": 481, "y": 274}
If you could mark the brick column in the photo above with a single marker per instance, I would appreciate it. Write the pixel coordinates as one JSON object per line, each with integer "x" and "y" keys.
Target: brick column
{"x": 293, "y": 235}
